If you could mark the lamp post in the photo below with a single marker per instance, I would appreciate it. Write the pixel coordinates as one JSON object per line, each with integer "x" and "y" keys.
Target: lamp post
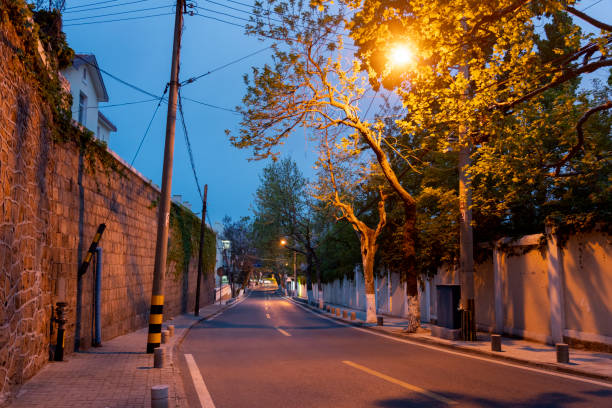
{"x": 401, "y": 55}
{"x": 283, "y": 243}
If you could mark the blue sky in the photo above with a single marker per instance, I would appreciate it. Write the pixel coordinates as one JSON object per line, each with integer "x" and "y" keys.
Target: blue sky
{"x": 139, "y": 51}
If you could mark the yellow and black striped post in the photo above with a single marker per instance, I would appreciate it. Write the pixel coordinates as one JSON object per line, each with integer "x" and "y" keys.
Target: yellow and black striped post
{"x": 155, "y": 322}
{"x": 92, "y": 249}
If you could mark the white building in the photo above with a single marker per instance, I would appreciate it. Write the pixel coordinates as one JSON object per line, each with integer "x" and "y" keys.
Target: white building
{"x": 88, "y": 90}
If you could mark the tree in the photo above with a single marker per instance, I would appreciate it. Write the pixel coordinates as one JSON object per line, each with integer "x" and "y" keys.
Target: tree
{"x": 311, "y": 84}
{"x": 474, "y": 64}
{"x": 284, "y": 209}
{"x": 241, "y": 258}
{"x": 342, "y": 180}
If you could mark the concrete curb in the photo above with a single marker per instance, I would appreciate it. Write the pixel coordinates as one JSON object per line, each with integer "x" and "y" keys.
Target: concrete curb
{"x": 179, "y": 339}
{"x": 491, "y": 354}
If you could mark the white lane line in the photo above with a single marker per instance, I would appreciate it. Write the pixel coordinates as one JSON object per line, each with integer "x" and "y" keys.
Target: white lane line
{"x": 457, "y": 353}
{"x": 227, "y": 308}
{"x": 401, "y": 383}
{"x": 282, "y": 331}
{"x": 267, "y": 316}
{"x": 198, "y": 383}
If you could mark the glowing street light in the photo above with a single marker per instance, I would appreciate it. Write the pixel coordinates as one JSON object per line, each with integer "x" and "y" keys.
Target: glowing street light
{"x": 401, "y": 55}
{"x": 283, "y": 242}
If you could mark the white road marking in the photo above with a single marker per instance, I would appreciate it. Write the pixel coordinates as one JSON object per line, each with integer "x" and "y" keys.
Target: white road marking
{"x": 283, "y": 331}
{"x": 227, "y": 308}
{"x": 267, "y": 316}
{"x": 457, "y": 353}
{"x": 401, "y": 383}
{"x": 198, "y": 383}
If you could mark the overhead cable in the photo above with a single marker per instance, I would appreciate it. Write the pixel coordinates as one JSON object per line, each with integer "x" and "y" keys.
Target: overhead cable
{"x": 116, "y": 14}
{"x": 119, "y": 19}
{"x": 104, "y": 7}
{"x": 193, "y": 79}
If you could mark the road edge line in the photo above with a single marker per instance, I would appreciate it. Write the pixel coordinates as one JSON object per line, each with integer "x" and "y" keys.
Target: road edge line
{"x": 543, "y": 368}
{"x": 198, "y": 383}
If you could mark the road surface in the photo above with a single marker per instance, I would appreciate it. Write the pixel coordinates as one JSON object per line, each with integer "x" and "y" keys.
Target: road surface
{"x": 269, "y": 352}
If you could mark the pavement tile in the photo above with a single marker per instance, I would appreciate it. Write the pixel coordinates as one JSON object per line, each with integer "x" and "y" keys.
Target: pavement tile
{"x": 118, "y": 374}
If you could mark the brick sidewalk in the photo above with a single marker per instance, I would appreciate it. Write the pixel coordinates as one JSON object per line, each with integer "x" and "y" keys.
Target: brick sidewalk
{"x": 582, "y": 362}
{"x": 118, "y": 374}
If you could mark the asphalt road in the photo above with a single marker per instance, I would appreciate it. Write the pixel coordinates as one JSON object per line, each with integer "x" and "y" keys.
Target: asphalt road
{"x": 268, "y": 352}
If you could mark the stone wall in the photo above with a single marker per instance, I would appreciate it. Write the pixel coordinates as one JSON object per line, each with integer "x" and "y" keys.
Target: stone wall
{"x": 52, "y": 199}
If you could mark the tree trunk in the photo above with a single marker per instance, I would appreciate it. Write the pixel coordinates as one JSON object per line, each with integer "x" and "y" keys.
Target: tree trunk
{"x": 368, "y": 250}
{"x": 466, "y": 241}
{"x": 413, "y": 312}
{"x": 309, "y": 277}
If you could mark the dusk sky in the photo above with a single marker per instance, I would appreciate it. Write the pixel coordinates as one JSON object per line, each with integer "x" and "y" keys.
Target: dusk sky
{"x": 138, "y": 51}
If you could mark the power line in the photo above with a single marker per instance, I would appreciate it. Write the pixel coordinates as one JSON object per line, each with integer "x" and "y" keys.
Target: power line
{"x": 91, "y": 4}
{"x": 193, "y": 79}
{"x": 119, "y": 104}
{"x": 210, "y": 105}
{"x": 258, "y": 34}
{"x": 188, "y": 143}
{"x": 118, "y": 19}
{"x": 105, "y": 7}
{"x": 588, "y": 7}
{"x": 116, "y": 14}
{"x": 119, "y": 79}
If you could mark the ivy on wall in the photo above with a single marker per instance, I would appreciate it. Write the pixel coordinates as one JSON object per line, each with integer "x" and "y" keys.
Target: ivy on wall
{"x": 184, "y": 242}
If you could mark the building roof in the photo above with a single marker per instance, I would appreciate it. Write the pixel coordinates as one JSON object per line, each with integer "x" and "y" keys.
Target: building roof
{"x": 90, "y": 60}
{"x": 106, "y": 122}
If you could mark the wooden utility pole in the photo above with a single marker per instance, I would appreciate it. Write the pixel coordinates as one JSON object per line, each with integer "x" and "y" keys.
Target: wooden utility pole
{"x": 196, "y": 312}
{"x": 163, "y": 221}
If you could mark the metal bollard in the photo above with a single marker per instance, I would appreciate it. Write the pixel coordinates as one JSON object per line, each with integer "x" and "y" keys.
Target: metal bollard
{"x": 159, "y": 357}
{"x": 344, "y": 314}
{"x": 171, "y": 330}
{"x": 353, "y": 316}
{"x": 159, "y": 396}
{"x": 562, "y": 353}
{"x": 496, "y": 342}
{"x": 165, "y": 336}
{"x": 379, "y": 320}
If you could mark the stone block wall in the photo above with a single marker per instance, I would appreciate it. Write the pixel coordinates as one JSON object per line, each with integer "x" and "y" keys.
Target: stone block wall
{"x": 52, "y": 199}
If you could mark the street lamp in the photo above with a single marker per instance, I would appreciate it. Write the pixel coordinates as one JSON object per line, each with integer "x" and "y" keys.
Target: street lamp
{"x": 283, "y": 243}
{"x": 401, "y": 55}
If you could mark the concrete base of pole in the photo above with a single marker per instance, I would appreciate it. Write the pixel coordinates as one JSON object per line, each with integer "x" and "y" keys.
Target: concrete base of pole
{"x": 344, "y": 314}
{"x": 496, "y": 342}
{"x": 159, "y": 357}
{"x": 165, "y": 336}
{"x": 159, "y": 396}
{"x": 379, "y": 320}
{"x": 171, "y": 329}
{"x": 562, "y": 353}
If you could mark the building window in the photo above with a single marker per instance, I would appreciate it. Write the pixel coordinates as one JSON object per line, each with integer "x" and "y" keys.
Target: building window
{"x": 82, "y": 108}
{"x": 85, "y": 75}
{"x": 98, "y": 133}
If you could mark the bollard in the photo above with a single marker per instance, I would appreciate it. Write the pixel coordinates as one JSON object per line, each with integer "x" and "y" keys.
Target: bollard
{"x": 344, "y": 314}
{"x": 159, "y": 396}
{"x": 496, "y": 342}
{"x": 353, "y": 315}
{"x": 159, "y": 357}
{"x": 562, "y": 353}
{"x": 338, "y": 311}
{"x": 171, "y": 330}
{"x": 379, "y": 320}
{"x": 333, "y": 310}
{"x": 165, "y": 336}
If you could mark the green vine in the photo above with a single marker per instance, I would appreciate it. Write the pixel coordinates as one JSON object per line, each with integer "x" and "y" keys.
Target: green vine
{"x": 184, "y": 242}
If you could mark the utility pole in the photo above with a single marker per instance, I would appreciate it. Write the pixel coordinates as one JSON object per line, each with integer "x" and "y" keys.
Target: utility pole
{"x": 201, "y": 255}
{"x": 295, "y": 292}
{"x": 161, "y": 244}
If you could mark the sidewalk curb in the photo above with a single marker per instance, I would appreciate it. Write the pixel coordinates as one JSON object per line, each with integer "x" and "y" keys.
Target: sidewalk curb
{"x": 466, "y": 350}
{"x": 179, "y": 339}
